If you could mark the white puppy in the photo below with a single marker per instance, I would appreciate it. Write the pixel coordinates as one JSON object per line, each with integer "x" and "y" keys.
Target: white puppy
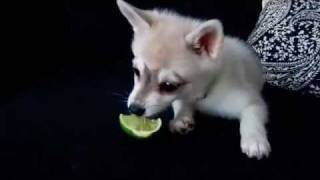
{"x": 191, "y": 65}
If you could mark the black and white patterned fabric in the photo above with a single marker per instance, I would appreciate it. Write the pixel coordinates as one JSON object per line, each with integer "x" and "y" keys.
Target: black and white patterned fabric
{"x": 287, "y": 40}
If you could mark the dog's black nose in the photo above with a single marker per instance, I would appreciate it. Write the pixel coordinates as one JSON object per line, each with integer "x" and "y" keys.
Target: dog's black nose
{"x": 136, "y": 109}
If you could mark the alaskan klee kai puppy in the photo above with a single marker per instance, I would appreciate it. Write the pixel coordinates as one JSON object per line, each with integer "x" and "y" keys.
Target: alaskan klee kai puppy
{"x": 191, "y": 65}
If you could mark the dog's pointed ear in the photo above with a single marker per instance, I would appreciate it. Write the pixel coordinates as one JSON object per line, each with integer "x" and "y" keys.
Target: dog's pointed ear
{"x": 206, "y": 38}
{"x": 140, "y": 20}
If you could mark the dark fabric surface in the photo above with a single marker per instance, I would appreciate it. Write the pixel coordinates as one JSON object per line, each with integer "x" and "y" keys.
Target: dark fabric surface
{"x": 286, "y": 38}
{"x": 60, "y": 121}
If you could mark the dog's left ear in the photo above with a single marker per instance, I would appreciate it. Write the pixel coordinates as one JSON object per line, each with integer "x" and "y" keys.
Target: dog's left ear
{"x": 139, "y": 19}
{"x": 206, "y": 38}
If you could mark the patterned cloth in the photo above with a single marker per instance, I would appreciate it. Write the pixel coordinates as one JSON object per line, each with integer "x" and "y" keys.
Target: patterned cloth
{"x": 287, "y": 40}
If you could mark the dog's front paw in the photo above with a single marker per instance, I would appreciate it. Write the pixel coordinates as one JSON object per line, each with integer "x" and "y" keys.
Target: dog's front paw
{"x": 182, "y": 125}
{"x": 255, "y": 146}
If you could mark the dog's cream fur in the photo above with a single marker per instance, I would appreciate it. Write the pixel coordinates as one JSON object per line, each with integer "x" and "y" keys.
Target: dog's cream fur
{"x": 216, "y": 74}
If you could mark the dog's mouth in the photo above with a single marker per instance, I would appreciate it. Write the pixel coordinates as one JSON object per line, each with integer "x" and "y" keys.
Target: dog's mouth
{"x": 164, "y": 114}
{"x": 154, "y": 116}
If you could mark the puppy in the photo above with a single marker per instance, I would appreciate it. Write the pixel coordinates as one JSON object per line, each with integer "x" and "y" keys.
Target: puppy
{"x": 191, "y": 65}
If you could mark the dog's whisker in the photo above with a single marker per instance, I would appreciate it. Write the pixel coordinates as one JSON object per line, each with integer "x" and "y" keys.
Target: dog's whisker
{"x": 117, "y": 94}
{"x": 124, "y": 102}
{"x": 120, "y": 95}
{"x": 127, "y": 93}
{"x": 122, "y": 98}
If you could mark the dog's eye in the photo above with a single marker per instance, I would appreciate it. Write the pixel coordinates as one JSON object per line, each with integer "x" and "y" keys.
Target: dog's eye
{"x": 167, "y": 87}
{"x": 136, "y": 72}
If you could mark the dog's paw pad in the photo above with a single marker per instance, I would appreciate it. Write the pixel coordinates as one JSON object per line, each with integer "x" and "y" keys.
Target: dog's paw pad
{"x": 182, "y": 126}
{"x": 255, "y": 146}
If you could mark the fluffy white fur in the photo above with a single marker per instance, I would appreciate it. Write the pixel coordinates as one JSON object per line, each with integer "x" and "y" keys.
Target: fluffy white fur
{"x": 212, "y": 73}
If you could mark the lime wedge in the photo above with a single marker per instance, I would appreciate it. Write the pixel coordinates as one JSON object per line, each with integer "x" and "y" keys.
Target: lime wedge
{"x": 139, "y": 127}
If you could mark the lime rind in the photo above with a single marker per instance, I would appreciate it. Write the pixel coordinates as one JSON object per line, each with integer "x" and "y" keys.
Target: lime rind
{"x": 139, "y": 127}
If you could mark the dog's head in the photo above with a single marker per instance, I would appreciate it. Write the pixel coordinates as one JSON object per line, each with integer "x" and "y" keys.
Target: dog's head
{"x": 174, "y": 57}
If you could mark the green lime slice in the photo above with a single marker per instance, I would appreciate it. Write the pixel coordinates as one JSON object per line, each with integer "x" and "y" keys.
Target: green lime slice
{"x": 139, "y": 127}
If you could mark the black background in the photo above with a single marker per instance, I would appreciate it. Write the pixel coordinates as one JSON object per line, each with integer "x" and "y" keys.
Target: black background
{"x": 59, "y": 110}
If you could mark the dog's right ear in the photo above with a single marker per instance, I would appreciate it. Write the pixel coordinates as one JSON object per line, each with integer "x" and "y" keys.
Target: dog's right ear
{"x": 139, "y": 19}
{"x": 206, "y": 38}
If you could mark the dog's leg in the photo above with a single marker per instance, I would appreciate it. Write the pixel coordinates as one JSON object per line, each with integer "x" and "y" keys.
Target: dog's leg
{"x": 254, "y": 141}
{"x": 183, "y": 121}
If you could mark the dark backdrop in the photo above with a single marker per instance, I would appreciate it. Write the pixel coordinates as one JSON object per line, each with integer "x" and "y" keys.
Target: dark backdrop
{"x": 59, "y": 111}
